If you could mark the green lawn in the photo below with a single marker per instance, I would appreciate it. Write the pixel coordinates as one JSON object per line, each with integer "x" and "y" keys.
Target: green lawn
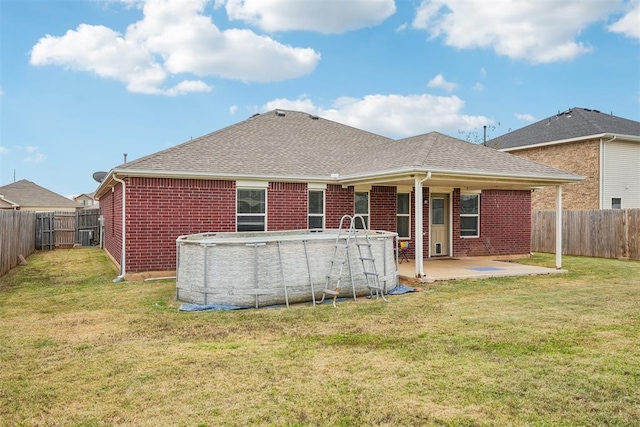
{"x": 77, "y": 349}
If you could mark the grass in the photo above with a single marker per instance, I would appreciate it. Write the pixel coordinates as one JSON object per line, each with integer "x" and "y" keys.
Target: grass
{"x": 77, "y": 349}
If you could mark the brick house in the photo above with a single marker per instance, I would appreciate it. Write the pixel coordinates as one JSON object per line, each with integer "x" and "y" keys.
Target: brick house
{"x": 28, "y": 196}
{"x": 603, "y": 148}
{"x": 287, "y": 170}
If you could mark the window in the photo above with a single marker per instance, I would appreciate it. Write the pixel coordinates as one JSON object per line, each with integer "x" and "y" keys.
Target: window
{"x": 616, "y": 203}
{"x": 403, "y": 213}
{"x": 437, "y": 211}
{"x": 316, "y": 209}
{"x": 469, "y": 215}
{"x": 251, "y": 209}
{"x": 362, "y": 208}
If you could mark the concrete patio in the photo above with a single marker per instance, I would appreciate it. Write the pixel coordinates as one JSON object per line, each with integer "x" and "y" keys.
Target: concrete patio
{"x": 469, "y": 268}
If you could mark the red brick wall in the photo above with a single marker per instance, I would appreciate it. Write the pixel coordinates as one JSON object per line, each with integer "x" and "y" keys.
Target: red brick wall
{"x": 159, "y": 210}
{"x": 505, "y": 224}
{"x": 287, "y": 206}
{"x": 382, "y": 206}
{"x": 111, "y": 209}
{"x": 340, "y": 201}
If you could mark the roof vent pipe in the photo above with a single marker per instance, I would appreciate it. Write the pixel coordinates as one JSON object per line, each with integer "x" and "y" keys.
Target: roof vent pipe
{"x": 125, "y": 157}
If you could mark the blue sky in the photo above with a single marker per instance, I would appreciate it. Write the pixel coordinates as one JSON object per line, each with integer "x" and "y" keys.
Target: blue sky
{"x": 82, "y": 82}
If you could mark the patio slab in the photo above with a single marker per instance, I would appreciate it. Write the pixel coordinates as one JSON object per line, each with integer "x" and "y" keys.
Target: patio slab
{"x": 469, "y": 268}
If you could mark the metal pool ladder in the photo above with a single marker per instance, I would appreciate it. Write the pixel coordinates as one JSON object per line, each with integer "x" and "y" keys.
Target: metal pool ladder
{"x": 341, "y": 256}
{"x": 368, "y": 261}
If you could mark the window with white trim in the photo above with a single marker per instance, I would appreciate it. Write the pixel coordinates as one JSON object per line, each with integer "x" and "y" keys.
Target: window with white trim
{"x": 616, "y": 203}
{"x": 251, "y": 209}
{"x": 362, "y": 207}
{"x": 469, "y": 215}
{"x": 403, "y": 215}
{"x": 316, "y": 209}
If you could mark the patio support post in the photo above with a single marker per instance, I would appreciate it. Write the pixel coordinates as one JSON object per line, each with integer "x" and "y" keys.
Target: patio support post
{"x": 559, "y": 227}
{"x": 418, "y": 226}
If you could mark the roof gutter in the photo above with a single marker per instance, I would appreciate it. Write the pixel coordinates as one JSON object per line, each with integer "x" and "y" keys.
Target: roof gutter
{"x": 388, "y": 175}
{"x": 632, "y": 138}
{"x": 123, "y": 256}
{"x": 444, "y": 173}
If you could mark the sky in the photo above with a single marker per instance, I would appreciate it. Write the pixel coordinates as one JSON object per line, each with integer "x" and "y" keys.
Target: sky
{"x": 84, "y": 81}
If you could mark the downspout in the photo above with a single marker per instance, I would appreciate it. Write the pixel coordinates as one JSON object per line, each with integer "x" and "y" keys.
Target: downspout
{"x": 419, "y": 229}
{"x": 123, "y": 256}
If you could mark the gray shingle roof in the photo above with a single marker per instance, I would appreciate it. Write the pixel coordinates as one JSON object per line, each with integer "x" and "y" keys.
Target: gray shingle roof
{"x": 26, "y": 193}
{"x": 437, "y": 152}
{"x": 573, "y": 123}
{"x": 286, "y": 144}
{"x": 293, "y": 144}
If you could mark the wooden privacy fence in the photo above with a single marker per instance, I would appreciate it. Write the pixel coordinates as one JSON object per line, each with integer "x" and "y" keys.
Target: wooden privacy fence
{"x": 17, "y": 231}
{"x": 611, "y": 233}
{"x": 67, "y": 229}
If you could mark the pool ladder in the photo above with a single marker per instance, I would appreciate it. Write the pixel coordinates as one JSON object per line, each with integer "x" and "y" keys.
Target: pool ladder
{"x": 341, "y": 256}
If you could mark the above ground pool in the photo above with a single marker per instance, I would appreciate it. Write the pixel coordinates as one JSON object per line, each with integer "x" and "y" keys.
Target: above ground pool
{"x": 256, "y": 269}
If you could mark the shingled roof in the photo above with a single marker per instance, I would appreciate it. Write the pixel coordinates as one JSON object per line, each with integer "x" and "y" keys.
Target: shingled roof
{"x": 27, "y": 193}
{"x": 295, "y": 146}
{"x": 570, "y": 124}
{"x": 278, "y": 143}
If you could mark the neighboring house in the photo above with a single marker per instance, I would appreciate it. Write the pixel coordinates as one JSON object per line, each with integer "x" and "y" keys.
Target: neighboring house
{"x": 290, "y": 170}
{"x": 26, "y": 196}
{"x": 601, "y": 147}
{"x": 87, "y": 201}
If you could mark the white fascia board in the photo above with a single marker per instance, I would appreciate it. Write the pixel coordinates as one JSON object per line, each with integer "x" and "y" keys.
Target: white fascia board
{"x": 452, "y": 174}
{"x": 362, "y": 178}
{"x": 121, "y": 173}
{"x": 631, "y": 138}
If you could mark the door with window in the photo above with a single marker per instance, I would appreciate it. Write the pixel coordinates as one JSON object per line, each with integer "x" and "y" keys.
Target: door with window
{"x": 439, "y": 225}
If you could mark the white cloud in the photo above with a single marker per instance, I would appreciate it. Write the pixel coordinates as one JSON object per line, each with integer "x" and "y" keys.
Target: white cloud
{"x": 173, "y": 37}
{"x": 4, "y": 150}
{"x": 1, "y": 91}
{"x": 483, "y": 72}
{"x": 329, "y": 17}
{"x": 233, "y": 109}
{"x": 392, "y": 115}
{"x": 629, "y": 24}
{"x": 187, "y": 86}
{"x": 478, "y": 86}
{"x": 524, "y": 117}
{"x": 33, "y": 154}
{"x": 402, "y": 27}
{"x": 439, "y": 81}
{"x": 538, "y": 32}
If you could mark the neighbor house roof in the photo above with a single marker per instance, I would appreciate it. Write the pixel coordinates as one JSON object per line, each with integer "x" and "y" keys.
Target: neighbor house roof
{"x": 295, "y": 146}
{"x": 27, "y": 194}
{"x": 567, "y": 125}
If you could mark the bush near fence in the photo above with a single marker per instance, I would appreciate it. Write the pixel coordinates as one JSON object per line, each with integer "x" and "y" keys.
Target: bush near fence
{"x": 17, "y": 237}
{"x": 611, "y": 233}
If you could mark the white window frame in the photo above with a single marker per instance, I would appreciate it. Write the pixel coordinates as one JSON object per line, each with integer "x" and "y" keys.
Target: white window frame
{"x": 470, "y": 215}
{"x": 366, "y": 216}
{"x": 407, "y": 215}
{"x": 316, "y": 215}
{"x": 619, "y": 199}
{"x": 266, "y": 208}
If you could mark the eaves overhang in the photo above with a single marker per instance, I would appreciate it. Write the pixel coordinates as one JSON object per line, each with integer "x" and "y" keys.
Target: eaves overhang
{"x": 12, "y": 204}
{"x": 460, "y": 178}
{"x": 617, "y": 136}
{"x": 109, "y": 180}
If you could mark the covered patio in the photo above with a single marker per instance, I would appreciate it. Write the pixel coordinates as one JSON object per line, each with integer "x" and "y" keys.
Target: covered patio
{"x": 438, "y": 269}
